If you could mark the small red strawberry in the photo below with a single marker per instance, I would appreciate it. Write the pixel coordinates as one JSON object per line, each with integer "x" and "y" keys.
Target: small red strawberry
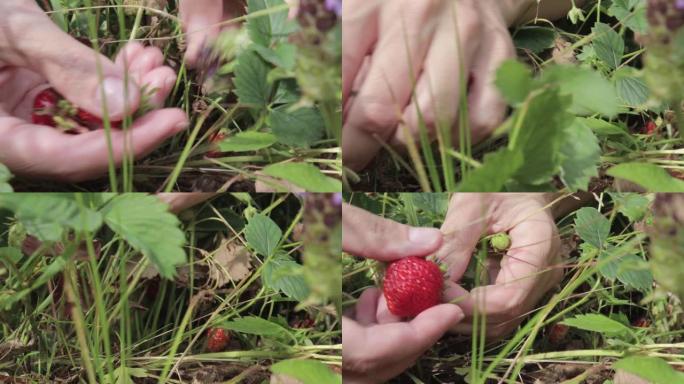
{"x": 412, "y": 285}
{"x": 45, "y": 107}
{"x": 557, "y": 333}
{"x": 217, "y": 339}
{"x": 88, "y": 119}
{"x": 650, "y": 128}
{"x": 641, "y": 322}
{"x": 214, "y": 139}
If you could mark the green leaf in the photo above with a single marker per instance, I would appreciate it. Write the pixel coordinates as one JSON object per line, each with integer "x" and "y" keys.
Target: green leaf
{"x": 267, "y": 28}
{"x": 652, "y": 369}
{"x": 283, "y": 274}
{"x": 632, "y": 13}
{"x": 591, "y": 93}
{"x": 581, "y": 156}
{"x": 497, "y": 168}
{"x": 631, "y": 89}
{"x": 596, "y": 323}
{"x": 539, "y": 135}
{"x": 434, "y": 203}
{"x": 46, "y": 215}
{"x": 592, "y": 227}
{"x": 629, "y": 269}
{"x": 5, "y": 177}
{"x": 535, "y": 39}
{"x": 247, "y": 141}
{"x": 251, "y": 85}
{"x": 608, "y": 45}
{"x": 604, "y": 128}
{"x": 514, "y": 80}
{"x": 307, "y": 371}
{"x": 148, "y": 226}
{"x": 304, "y": 175}
{"x": 284, "y": 55}
{"x": 263, "y": 234}
{"x": 633, "y": 205}
{"x": 649, "y": 176}
{"x": 254, "y": 326}
{"x": 298, "y": 128}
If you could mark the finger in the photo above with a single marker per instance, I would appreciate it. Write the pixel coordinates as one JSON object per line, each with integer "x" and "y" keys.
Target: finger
{"x": 406, "y": 30}
{"x": 161, "y": 80}
{"x": 403, "y": 341}
{"x": 383, "y": 313}
{"x": 43, "y": 152}
{"x": 201, "y": 19}
{"x": 128, "y": 54}
{"x": 366, "y": 306}
{"x": 487, "y": 108}
{"x": 86, "y": 82}
{"x": 439, "y": 88}
{"x": 517, "y": 287}
{"x": 465, "y": 223}
{"x": 179, "y": 202}
{"x": 371, "y": 236}
{"x": 146, "y": 61}
{"x": 359, "y": 33}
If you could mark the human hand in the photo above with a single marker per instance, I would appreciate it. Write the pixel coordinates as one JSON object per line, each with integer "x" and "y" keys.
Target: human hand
{"x": 529, "y": 269}
{"x": 386, "y": 44}
{"x": 203, "y": 20}
{"x": 178, "y": 202}
{"x": 374, "y": 352}
{"x": 35, "y": 55}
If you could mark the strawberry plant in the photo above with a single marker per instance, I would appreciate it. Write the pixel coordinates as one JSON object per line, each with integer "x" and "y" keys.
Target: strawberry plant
{"x": 595, "y": 103}
{"x": 106, "y": 288}
{"x": 616, "y": 312}
{"x": 263, "y": 100}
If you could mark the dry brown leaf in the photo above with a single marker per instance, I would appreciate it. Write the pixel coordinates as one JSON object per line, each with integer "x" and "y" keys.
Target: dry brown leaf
{"x": 230, "y": 262}
{"x": 562, "y": 52}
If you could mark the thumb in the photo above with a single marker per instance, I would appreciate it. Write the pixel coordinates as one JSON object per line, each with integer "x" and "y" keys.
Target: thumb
{"x": 81, "y": 75}
{"x": 367, "y": 235}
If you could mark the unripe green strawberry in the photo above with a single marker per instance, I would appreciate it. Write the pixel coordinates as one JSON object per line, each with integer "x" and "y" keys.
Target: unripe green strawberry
{"x": 500, "y": 241}
{"x": 412, "y": 285}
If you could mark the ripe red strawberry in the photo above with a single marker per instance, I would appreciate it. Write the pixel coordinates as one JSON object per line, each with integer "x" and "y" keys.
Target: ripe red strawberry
{"x": 214, "y": 139}
{"x": 217, "y": 339}
{"x": 45, "y": 107}
{"x": 557, "y": 333}
{"x": 641, "y": 322}
{"x": 88, "y": 119}
{"x": 650, "y": 128}
{"x": 52, "y": 109}
{"x": 412, "y": 285}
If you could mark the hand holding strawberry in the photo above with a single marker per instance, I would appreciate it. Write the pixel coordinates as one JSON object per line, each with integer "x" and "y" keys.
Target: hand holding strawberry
{"x": 374, "y": 350}
{"x": 30, "y": 145}
{"x": 523, "y": 266}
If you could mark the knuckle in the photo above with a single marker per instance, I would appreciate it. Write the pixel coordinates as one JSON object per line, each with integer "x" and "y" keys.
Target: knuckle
{"x": 377, "y": 118}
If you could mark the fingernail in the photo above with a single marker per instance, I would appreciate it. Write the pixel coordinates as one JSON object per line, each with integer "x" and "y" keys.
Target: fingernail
{"x": 115, "y": 94}
{"x": 424, "y": 236}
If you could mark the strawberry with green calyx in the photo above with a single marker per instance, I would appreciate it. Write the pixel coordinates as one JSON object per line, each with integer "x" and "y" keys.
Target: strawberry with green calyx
{"x": 412, "y": 285}
{"x": 53, "y": 110}
{"x": 500, "y": 241}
